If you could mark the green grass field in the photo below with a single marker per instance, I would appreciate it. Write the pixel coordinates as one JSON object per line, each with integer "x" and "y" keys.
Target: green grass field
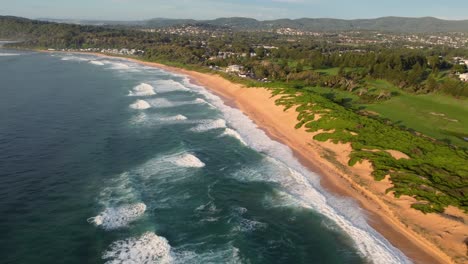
{"x": 438, "y": 116}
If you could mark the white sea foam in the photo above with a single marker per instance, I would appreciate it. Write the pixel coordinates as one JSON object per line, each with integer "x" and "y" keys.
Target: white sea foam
{"x": 243, "y": 224}
{"x": 118, "y": 217}
{"x": 200, "y": 101}
{"x": 140, "y": 105}
{"x": 187, "y": 161}
{"x": 73, "y": 58}
{"x": 226, "y": 255}
{"x": 207, "y": 125}
{"x": 232, "y": 133}
{"x": 163, "y": 168}
{"x": 119, "y": 66}
{"x": 174, "y": 118}
{"x": 154, "y": 120}
{"x": 140, "y": 119}
{"x": 99, "y": 63}
{"x": 304, "y": 187}
{"x": 143, "y": 89}
{"x": 9, "y": 54}
{"x": 166, "y": 103}
{"x": 147, "y": 249}
{"x": 162, "y": 103}
{"x": 119, "y": 190}
{"x": 169, "y": 86}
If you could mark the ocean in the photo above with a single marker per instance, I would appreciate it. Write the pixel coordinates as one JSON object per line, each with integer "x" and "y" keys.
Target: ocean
{"x": 103, "y": 160}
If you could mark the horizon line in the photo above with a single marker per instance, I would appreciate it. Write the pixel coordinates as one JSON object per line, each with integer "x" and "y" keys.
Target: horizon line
{"x": 230, "y": 17}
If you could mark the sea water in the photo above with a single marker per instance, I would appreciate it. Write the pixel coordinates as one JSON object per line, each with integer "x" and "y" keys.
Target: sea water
{"x": 108, "y": 161}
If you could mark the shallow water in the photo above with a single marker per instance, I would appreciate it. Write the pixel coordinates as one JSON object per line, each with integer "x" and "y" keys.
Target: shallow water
{"x": 106, "y": 160}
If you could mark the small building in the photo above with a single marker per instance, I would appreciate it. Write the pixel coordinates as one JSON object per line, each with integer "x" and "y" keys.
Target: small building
{"x": 234, "y": 68}
{"x": 464, "y": 77}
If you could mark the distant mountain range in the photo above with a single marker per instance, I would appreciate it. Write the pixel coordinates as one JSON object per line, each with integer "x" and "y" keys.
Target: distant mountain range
{"x": 387, "y": 24}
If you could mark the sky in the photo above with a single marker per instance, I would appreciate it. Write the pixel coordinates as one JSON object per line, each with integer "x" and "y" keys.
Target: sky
{"x": 209, "y": 9}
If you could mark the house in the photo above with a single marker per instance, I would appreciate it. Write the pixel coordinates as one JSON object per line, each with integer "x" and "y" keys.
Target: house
{"x": 234, "y": 68}
{"x": 464, "y": 77}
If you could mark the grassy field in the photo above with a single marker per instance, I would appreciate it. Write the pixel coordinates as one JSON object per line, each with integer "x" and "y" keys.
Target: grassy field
{"x": 438, "y": 116}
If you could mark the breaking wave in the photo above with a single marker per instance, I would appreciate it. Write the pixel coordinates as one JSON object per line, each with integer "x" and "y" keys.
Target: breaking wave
{"x": 119, "y": 66}
{"x": 164, "y": 86}
{"x": 148, "y": 248}
{"x": 118, "y": 217}
{"x": 207, "y": 125}
{"x": 99, "y": 63}
{"x": 232, "y": 133}
{"x": 187, "y": 161}
{"x": 143, "y": 89}
{"x": 140, "y": 105}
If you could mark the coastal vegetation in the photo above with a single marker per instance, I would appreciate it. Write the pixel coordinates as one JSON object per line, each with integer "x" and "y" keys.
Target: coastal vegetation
{"x": 375, "y": 97}
{"x": 435, "y": 174}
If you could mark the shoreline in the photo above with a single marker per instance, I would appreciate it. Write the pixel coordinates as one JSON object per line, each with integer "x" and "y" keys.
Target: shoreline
{"x": 279, "y": 126}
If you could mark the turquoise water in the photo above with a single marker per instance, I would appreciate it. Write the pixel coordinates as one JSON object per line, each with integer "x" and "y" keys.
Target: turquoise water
{"x": 103, "y": 160}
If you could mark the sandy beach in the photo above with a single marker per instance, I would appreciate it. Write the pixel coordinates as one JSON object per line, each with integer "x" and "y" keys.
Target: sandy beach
{"x": 429, "y": 238}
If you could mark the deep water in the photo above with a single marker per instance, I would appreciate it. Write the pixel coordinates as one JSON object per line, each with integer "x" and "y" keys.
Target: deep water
{"x": 106, "y": 160}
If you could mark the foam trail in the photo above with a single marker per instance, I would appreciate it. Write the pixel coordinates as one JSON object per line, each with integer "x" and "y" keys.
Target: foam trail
{"x": 148, "y": 248}
{"x": 140, "y": 105}
{"x": 118, "y": 217}
{"x": 143, "y": 89}
{"x": 209, "y": 125}
{"x": 304, "y": 187}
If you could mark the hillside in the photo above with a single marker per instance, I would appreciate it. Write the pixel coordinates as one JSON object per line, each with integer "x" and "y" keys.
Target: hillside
{"x": 387, "y": 24}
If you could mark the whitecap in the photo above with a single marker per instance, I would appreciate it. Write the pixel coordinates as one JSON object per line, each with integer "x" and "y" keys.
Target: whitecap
{"x": 143, "y": 89}
{"x": 148, "y": 248}
{"x": 140, "y": 105}
{"x": 118, "y": 217}
{"x": 207, "y": 125}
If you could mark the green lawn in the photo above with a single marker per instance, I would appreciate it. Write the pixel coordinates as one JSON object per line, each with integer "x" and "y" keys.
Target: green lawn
{"x": 329, "y": 71}
{"x": 437, "y": 116}
{"x": 379, "y": 85}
